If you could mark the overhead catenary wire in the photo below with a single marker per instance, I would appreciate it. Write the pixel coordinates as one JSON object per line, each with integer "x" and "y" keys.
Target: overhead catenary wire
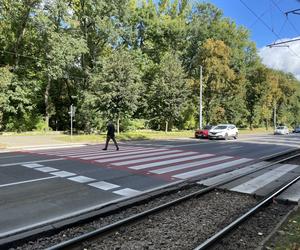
{"x": 268, "y": 27}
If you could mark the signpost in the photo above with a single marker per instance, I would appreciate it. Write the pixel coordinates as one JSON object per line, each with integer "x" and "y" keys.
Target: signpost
{"x": 72, "y": 114}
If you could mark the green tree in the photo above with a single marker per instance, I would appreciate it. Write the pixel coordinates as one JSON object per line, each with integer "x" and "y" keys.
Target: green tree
{"x": 168, "y": 91}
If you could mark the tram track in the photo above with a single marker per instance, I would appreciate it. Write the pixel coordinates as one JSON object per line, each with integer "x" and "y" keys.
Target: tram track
{"x": 104, "y": 230}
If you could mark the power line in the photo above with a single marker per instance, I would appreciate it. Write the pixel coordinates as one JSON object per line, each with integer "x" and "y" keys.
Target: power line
{"x": 286, "y": 16}
{"x": 266, "y": 25}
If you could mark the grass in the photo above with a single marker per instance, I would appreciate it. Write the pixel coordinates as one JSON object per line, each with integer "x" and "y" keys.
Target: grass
{"x": 145, "y": 135}
{"x": 133, "y": 135}
{"x": 288, "y": 235}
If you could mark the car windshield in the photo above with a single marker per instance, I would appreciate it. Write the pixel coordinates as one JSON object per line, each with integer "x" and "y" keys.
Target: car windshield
{"x": 280, "y": 127}
{"x": 221, "y": 127}
{"x": 208, "y": 127}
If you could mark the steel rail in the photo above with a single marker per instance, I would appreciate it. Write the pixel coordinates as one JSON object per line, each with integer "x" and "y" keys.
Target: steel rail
{"x": 245, "y": 216}
{"x": 79, "y": 239}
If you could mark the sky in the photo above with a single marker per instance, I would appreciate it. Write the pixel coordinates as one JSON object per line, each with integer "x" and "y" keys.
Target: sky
{"x": 268, "y": 23}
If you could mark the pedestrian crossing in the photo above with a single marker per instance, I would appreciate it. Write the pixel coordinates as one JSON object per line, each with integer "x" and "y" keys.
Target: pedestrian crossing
{"x": 280, "y": 140}
{"x": 165, "y": 163}
{"x": 175, "y": 164}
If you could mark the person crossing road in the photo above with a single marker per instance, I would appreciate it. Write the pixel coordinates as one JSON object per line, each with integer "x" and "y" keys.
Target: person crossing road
{"x": 110, "y": 135}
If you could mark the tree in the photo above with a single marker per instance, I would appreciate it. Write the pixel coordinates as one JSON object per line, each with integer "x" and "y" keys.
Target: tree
{"x": 117, "y": 87}
{"x": 168, "y": 91}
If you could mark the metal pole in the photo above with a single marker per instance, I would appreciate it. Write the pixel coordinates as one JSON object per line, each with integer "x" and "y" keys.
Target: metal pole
{"x": 275, "y": 116}
{"x": 200, "y": 104}
{"x": 71, "y": 113}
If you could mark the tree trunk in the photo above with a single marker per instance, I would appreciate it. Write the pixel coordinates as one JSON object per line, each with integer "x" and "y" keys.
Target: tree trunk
{"x": 166, "y": 127}
{"x": 47, "y": 108}
{"x": 118, "y": 125}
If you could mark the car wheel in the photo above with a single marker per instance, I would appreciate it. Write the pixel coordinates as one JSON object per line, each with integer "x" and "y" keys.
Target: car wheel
{"x": 236, "y": 136}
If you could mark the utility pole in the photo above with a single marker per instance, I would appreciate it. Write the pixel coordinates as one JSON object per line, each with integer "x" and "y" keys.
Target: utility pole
{"x": 274, "y": 116}
{"x": 200, "y": 97}
{"x": 72, "y": 114}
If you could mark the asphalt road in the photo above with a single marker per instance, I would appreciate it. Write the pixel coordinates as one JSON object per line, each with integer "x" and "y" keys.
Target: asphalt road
{"x": 46, "y": 185}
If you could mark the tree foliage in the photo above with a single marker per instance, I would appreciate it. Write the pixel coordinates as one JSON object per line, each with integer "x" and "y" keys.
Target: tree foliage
{"x": 133, "y": 59}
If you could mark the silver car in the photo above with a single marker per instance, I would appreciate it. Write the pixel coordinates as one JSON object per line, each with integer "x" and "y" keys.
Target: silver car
{"x": 281, "y": 130}
{"x": 223, "y": 131}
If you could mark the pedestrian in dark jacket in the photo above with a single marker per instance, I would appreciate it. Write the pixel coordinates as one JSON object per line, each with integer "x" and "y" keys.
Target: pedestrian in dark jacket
{"x": 110, "y": 135}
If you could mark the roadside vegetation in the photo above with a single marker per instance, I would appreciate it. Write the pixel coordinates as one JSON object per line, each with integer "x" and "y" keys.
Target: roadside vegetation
{"x": 288, "y": 235}
{"x": 136, "y": 62}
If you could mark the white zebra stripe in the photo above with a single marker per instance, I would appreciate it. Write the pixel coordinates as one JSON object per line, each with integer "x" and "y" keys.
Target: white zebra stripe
{"x": 189, "y": 165}
{"x": 116, "y": 154}
{"x": 262, "y": 180}
{"x": 153, "y": 158}
{"x": 138, "y": 156}
{"x": 210, "y": 169}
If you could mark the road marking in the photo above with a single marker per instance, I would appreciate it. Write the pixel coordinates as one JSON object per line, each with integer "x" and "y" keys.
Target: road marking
{"x": 32, "y": 165}
{"x": 218, "y": 178}
{"x": 46, "y": 169}
{"x": 115, "y": 153}
{"x": 81, "y": 179}
{"x": 189, "y": 165}
{"x": 160, "y": 163}
{"x": 63, "y": 173}
{"x": 127, "y": 192}
{"x": 28, "y": 162}
{"x": 104, "y": 185}
{"x": 28, "y": 181}
{"x": 139, "y": 156}
{"x": 264, "y": 179}
{"x": 154, "y": 158}
{"x": 11, "y": 156}
{"x": 211, "y": 169}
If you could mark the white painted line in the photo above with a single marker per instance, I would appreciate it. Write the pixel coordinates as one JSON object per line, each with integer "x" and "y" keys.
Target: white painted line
{"x": 116, "y": 153}
{"x": 81, "y": 179}
{"x": 139, "y": 156}
{"x": 154, "y": 158}
{"x": 210, "y": 169}
{"x": 160, "y": 163}
{"x": 32, "y": 165}
{"x": 190, "y": 165}
{"x": 104, "y": 185}
{"x": 217, "y": 179}
{"x": 127, "y": 192}
{"x": 46, "y": 169}
{"x": 12, "y": 156}
{"x": 63, "y": 174}
{"x": 28, "y": 181}
{"x": 29, "y": 162}
{"x": 254, "y": 184}
{"x": 97, "y": 152}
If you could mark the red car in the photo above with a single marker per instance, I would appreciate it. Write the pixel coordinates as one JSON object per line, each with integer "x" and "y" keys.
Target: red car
{"x": 203, "y": 133}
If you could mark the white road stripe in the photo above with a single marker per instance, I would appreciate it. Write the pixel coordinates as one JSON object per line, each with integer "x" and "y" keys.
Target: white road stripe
{"x": 262, "y": 180}
{"x": 139, "y": 156}
{"x": 63, "y": 174}
{"x": 101, "y": 152}
{"x": 81, "y": 179}
{"x": 222, "y": 177}
{"x": 32, "y": 165}
{"x": 116, "y": 154}
{"x": 12, "y": 156}
{"x": 28, "y": 181}
{"x": 103, "y": 185}
{"x": 152, "y": 159}
{"x": 28, "y": 162}
{"x": 190, "y": 165}
{"x": 88, "y": 152}
{"x": 127, "y": 192}
{"x": 211, "y": 169}
{"x": 46, "y": 169}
